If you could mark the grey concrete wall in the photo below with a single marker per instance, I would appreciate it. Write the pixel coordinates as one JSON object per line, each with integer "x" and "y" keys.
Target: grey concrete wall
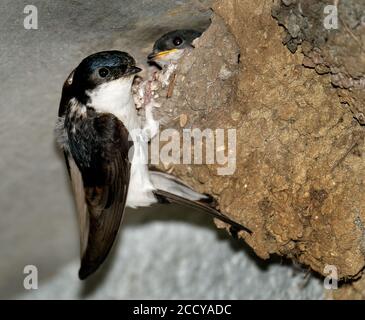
{"x": 162, "y": 253}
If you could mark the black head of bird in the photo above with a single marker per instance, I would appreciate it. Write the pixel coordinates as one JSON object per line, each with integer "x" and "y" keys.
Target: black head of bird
{"x": 100, "y": 69}
{"x": 172, "y": 45}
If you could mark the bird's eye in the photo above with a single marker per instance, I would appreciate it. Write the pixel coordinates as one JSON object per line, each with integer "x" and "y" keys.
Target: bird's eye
{"x": 177, "y": 41}
{"x": 103, "y": 72}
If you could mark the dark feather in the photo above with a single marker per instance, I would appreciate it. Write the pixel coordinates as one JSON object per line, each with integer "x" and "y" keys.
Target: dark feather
{"x": 100, "y": 172}
{"x": 207, "y": 205}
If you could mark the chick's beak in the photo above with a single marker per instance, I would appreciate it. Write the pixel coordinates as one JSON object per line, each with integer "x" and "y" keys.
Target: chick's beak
{"x": 151, "y": 56}
{"x": 157, "y": 55}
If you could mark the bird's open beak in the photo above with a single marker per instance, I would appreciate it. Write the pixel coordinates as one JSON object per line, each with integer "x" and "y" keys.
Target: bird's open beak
{"x": 156, "y": 56}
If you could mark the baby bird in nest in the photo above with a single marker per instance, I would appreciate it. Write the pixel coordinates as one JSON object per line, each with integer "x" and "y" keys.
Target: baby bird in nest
{"x": 165, "y": 55}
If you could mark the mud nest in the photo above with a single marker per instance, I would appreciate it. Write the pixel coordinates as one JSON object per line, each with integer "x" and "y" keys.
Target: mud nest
{"x": 298, "y": 182}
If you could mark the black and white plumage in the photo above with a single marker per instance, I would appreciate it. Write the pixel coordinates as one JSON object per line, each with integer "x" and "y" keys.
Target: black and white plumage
{"x": 102, "y": 138}
{"x": 171, "y": 46}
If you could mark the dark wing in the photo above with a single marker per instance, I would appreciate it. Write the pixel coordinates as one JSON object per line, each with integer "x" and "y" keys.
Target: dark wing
{"x": 172, "y": 190}
{"x": 100, "y": 171}
{"x": 204, "y": 205}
